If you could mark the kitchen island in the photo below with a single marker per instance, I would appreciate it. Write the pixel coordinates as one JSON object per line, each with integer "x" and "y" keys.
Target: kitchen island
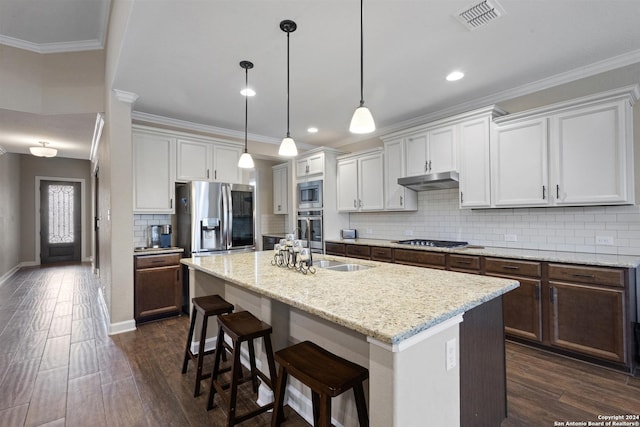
{"x": 403, "y": 323}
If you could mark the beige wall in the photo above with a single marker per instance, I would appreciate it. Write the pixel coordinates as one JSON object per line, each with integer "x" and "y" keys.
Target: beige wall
{"x": 10, "y": 216}
{"x": 56, "y": 167}
{"x": 57, "y": 83}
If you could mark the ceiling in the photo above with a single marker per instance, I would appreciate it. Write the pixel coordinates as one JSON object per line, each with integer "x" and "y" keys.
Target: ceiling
{"x": 181, "y": 57}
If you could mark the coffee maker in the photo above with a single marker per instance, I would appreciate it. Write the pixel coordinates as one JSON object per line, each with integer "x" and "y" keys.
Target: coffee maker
{"x": 159, "y": 236}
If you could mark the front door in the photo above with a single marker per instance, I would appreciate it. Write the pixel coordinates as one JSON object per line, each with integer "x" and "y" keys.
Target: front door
{"x": 60, "y": 224}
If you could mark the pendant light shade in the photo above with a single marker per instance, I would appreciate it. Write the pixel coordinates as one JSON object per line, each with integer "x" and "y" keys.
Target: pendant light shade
{"x": 362, "y": 120}
{"x": 43, "y": 150}
{"x": 288, "y": 145}
{"x": 245, "y": 161}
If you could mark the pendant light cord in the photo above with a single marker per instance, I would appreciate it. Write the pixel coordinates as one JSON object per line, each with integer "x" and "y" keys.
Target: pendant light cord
{"x": 288, "y": 135}
{"x": 246, "y": 106}
{"x": 361, "y": 57}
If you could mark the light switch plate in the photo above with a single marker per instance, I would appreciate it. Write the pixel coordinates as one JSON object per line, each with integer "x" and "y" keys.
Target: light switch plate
{"x": 604, "y": 240}
{"x": 452, "y": 356}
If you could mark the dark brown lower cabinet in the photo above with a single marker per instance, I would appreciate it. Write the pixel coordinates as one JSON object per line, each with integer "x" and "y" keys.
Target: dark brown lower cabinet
{"x": 157, "y": 286}
{"x": 337, "y": 249}
{"x": 587, "y": 319}
{"x": 523, "y": 310}
{"x": 483, "y": 378}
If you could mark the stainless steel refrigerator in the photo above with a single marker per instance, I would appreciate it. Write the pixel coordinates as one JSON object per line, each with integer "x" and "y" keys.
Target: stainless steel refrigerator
{"x": 213, "y": 217}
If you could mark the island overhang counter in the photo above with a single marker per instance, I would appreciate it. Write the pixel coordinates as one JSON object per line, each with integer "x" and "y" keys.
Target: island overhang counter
{"x": 403, "y": 323}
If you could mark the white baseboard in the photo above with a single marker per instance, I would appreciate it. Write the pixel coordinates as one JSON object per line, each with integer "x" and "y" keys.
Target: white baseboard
{"x": 122, "y": 327}
{"x": 8, "y": 274}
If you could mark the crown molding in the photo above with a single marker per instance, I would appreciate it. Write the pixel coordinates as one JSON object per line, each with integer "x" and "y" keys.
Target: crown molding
{"x": 76, "y": 46}
{"x": 197, "y": 127}
{"x": 124, "y": 96}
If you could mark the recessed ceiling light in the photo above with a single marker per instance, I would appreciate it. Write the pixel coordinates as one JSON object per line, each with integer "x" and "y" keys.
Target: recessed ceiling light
{"x": 455, "y": 75}
{"x": 312, "y": 130}
{"x": 248, "y": 92}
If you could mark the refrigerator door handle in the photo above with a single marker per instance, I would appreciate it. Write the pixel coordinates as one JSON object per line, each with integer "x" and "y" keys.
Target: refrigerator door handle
{"x": 229, "y": 213}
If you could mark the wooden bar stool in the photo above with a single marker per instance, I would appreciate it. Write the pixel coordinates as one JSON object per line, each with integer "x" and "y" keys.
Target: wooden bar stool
{"x": 326, "y": 374}
{"x": 210, "y": 305}
{"x": 240, "y": 327}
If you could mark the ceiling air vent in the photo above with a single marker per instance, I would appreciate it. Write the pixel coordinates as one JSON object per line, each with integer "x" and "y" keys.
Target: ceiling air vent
{"x": 480, "y": 14}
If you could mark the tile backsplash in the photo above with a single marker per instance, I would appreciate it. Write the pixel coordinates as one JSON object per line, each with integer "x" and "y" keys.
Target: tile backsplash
{"x": 572, "y": 229}
{"x": 141, "y": 222}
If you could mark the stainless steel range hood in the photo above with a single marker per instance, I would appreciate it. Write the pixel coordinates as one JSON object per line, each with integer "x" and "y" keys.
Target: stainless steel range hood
{"x": 432, "y": 181}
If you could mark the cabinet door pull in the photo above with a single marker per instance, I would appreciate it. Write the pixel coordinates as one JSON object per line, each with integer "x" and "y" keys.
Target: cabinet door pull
{"x": 215, "y": 174}
{"x": 461, "y": 198}
{"x": 551, "y": 296}
{"x": 544, "y": 193}
{"x": 354, "y": 203}
{"x": 557, "y": 191}
{"x": 511, "y": 267}
{"x": 584, "y": 275}
{"x": 208, "y": 173}
{"x": 359, "y": 203}
{"x": 426, "y": 166}
{"x": 537, "y": 292}
{"x": 429, "y": 165}
{"x": 401, "y": 201}
{"x": 170, "y": 203}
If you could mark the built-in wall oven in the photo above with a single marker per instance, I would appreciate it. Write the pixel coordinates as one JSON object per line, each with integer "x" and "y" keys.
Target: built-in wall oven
{"x": 310, "y": 195}
{"x": 310, "y": 229}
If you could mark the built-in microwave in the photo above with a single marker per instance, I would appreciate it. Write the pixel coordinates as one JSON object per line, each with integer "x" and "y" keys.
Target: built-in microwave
{"x": 310, "y": 195}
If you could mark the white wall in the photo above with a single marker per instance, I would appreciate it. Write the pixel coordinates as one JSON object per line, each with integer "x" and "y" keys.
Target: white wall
{"x": 559, "y": 229}
{"x": 10, "y": 218}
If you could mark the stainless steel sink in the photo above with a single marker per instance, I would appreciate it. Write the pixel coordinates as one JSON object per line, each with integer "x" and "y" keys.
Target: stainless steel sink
{"x": 325, "y": 263}
{"x": 348, "y": 267}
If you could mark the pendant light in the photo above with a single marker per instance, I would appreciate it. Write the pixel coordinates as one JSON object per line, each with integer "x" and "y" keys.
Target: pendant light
{"x": 362, "y": 120}
{"x": 245, "y": 161}
{"x": 288, "y": 145}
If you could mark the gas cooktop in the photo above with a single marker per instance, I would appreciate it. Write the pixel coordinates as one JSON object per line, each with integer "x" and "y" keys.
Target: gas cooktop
{"x": 433, "y": 243}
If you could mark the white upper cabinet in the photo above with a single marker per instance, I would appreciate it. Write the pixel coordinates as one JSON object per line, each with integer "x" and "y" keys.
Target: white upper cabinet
{"x": 281, "y": 189}
{"x": 205, "y": 160}
{"x": 474, "y": 163}
{"x": 519, "y": 164}
{"x": 431, "y": 151}
{"x": 225, "y": 163}
{"x": 311, "y": 165}
{"x": 416, "y": 154}
{"x": 193, "y": 160}
{"x": 579, "y": 152}
{"x": 590, "y": 150}
{"x": 360, "y": 183}
{"x": 153, "y": 172}
{"x": 441, "y": 149}
{"x": 396, "y": 197}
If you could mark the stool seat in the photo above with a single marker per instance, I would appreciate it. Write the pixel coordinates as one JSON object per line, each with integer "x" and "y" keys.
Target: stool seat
{"x": 211, "y": 305}
{"x": 240, "y": 327}
{"x": 326, "y": 374}
{"x": 207, "y": 306}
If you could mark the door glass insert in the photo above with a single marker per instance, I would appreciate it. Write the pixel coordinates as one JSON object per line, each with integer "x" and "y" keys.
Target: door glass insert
{"x": 61, "y": 209}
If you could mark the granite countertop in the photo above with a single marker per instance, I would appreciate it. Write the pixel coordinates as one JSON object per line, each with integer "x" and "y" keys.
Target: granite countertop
{"x": 156, "y": 251}
{"x": 626, "y": 261}
{"x": 388, "y": 302}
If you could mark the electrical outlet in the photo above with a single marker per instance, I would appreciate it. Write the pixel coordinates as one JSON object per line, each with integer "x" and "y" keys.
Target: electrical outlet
{"x": 368, "y": 231}
{"x": 604, "y": 240}
{"x": 510, "y": 237}
{"x": 408, "y": 232}
{"x": 451, "y": 352}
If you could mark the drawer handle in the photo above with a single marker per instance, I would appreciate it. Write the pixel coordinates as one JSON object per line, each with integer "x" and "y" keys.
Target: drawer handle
{"x": 156, "y": 261}
{"x": 584, "y": 275}
{"x": 467, "y": 262}
{"x": 510, "y": 267}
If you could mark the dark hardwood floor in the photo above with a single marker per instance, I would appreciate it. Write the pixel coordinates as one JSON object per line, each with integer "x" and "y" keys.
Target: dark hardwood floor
{"x": 59, "y": 367}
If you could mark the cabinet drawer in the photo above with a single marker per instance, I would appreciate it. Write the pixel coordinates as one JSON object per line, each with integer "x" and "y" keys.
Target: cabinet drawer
{"x": 592, "y": 275}
{"x": 358, "y": 251}
{"x": 513, "y": 267}
{"x": 151, "y": 261}
{"x": 334, "y": 248}
{"x": 381, "y": 254}
{"x": 464, "y": 262}
{"x": 420, "y": 258}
